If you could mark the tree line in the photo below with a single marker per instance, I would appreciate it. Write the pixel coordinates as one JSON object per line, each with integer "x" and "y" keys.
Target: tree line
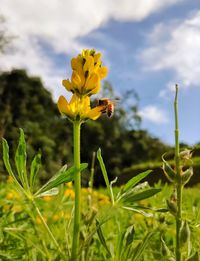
{"x": 26, "y": 103}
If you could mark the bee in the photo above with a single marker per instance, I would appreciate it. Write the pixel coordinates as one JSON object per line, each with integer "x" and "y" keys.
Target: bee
{"x": 108, "y": 106}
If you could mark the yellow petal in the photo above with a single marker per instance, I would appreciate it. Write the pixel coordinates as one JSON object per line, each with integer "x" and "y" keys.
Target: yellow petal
{"x": 89, "y": 64}
{"x": 64, "y": 106}
{"x": 85, "y": 104}
{"x": 73, "y": 99}
{"x": 76, "y": 63}
{"x": 67, "y": 84}
{"x": 102, "y": 72}
{"x": 94, "y": 113}
{"x": 76, "y": 80}
{"x": 97, "y": 58}
{"x": 92, "y": 81}
{"x": 74, "y": 103}
{"x": 96, "y": 89}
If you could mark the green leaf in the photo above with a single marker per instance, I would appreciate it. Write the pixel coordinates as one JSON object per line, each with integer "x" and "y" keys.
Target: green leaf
{"x": 137, "y": 252}
{"x": 130, "y": 232}
{"x": 51, "y": 192}
{"x": 139, "y": 196}
{"x": 6, "y": 157}
{"x": 136, "y": 210}
{"x": 135, "y": 180}
{"x": 102, "y": 238}
{"x": 64, "y": 175}
{"x": 35, "y": 166}
{"x": 119, "y": 248}
{"x": 164, "y": 248}
{"x": 105, "y": 175}
{"x": 103, "y": 168}
{"x": 7, "y": 163}
{"x": 20, "y": 159}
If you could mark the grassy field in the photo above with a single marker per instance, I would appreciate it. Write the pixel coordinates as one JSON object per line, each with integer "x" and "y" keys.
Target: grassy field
{"x": 23, "y": 235}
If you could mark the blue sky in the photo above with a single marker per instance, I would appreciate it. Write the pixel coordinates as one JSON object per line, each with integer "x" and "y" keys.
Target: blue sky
{"x": 147, "y": 45}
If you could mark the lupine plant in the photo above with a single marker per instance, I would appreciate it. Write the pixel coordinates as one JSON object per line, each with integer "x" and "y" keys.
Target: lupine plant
{"x": 179, "y": 176}
{"x": 88, "y": 233}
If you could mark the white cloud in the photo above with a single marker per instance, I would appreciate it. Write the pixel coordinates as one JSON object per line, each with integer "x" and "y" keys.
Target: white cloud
{"x": 153, "y": 114}
{"x": 60, "y": 24}
{"x": 175, "y": 46}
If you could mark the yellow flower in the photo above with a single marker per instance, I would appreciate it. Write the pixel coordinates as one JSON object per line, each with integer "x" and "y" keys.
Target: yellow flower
{"x": 87, "y": 71}
{"x": 13, "y": 195}
{"x": 69, "y": 193}
{"x": 79, "y": 108}
{"x": 38, "y": 220}
{"x": 47, "y": 198}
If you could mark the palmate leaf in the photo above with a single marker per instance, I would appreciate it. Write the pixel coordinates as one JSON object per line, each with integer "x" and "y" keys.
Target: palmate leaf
{"x": 64, "y": 175}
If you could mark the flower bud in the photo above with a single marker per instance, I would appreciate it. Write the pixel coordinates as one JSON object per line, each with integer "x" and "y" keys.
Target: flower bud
{"x": 186, "y": 175}
{"x": 186, "y": 154}
{"x": 185, "y": 232}
{"x": 172, "y": 207}
{"x": 169, "y": 172}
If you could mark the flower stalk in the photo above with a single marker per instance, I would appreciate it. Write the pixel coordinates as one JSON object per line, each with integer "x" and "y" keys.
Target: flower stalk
{"x": 77, "y": 187}
{"x": 179, "y": 186}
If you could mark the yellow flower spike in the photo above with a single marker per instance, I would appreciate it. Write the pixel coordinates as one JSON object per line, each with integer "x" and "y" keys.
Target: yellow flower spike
{"x": 87, "y": 73}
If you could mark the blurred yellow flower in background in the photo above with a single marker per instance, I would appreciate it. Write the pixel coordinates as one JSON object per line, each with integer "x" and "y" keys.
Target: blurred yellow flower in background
{"x": 87, "y": 71}
{"x": 69, "y": 193}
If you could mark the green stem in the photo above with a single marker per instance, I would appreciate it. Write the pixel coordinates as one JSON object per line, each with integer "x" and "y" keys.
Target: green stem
{"x": 92, "y": 170}
{"x": 178, "y": 175}
{"x": 77, "y": 187}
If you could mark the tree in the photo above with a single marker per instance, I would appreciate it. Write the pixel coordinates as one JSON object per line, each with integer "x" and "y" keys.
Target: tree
{"x": 25, "y": 103}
